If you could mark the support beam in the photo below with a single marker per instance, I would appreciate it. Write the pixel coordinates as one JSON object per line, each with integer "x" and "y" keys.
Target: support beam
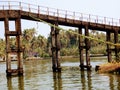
{"x": 57, "y": 43}
{"x": 18, "y": 43}
{"x": 8, "y": 61}
{"x": 81, "y": 49}
{"x": 116, "y": 47}
{"x": 108, "y": 38}
{"x": 17, "y": 50}
{"x": 55, "y": 49}
{"x": 87, "y": 43}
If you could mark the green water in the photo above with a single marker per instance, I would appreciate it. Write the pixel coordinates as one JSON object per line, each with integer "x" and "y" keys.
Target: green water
{"x": 38, "y": 75}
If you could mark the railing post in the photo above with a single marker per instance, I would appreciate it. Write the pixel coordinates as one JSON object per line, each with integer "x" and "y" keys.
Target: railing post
{"x": 119, "y": 21}
{"x": 57, "y": 12}
{"x": 104, "y": 20}
{"x": 97, "y": 19}
{"x": 74, "y": 15}
{"x": 81, "y": 17}
{"x": 20, "y": 6}
{"x": 38, "y": 10}
{"x": 47, "y": 11}
{"x": 9, "y": 5}
{"x": 29, "y": 8}
{"x": 112, "y": 21}
{"x": 66, "y": 14}
{"x": 89, "y": 18}
{"x": 3, "y": 7}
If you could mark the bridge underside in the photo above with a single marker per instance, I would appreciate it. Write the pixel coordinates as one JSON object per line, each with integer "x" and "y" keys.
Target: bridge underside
{"x": 17, "y": 15}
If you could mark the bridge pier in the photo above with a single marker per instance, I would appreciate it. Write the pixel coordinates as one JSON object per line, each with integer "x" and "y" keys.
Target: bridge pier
{"x": 109, "y": 51}
{"x": 55, "y": 49}
{"x": 116, "y": 47}
{"x": 16, "y": 50}
{"x": 81, "y": 51}
{"x": 87, "y": 46}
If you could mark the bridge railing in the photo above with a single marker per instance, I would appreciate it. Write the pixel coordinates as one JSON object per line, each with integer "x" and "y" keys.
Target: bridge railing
{"x": 15, "y": 5}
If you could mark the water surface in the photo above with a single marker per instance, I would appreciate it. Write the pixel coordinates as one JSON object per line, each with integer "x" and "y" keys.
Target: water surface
{"x": 38, "y": 75}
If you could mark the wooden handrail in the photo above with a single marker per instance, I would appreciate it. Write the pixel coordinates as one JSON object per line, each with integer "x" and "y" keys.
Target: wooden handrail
{"x": 13, "y": 5}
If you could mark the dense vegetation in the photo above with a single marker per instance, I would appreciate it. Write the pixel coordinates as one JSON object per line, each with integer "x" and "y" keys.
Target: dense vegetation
{"x": 38, "y": 45}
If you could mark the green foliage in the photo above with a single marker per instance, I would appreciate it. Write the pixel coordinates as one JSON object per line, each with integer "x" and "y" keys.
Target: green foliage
{"x": 41, "y": 46}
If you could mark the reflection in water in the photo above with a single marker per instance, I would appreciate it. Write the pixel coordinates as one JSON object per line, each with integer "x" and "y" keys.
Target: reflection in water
{"x": 86, "y": 79}
{"x": 57, "y": 80}
{"x": 111, "y": 82}
{"x": 38, "y": 75}
{"x": 118, "y": 81}
{"x": 114, "y": 82}
{"x": 10, "y": 83}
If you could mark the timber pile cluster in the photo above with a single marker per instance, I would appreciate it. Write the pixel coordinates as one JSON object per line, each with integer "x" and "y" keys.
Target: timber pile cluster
{"x": 112, "y": 67}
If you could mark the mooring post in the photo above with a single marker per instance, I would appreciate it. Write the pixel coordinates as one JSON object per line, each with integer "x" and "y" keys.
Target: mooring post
{"x": 108, "y": 46}
{"x": 87, "y": 43}
{"x": 116, "y": 47}
{"x": 81, "y": 49}
{"x": 18, "y": 43}
{"x": 8, "y": 61}
{"x": 55, "y": 49}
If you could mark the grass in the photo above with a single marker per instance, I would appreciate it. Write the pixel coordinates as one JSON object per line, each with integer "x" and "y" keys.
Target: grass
{"x": 113, "y": 67}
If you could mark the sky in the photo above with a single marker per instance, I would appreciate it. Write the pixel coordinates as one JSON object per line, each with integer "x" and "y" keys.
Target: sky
{"x": 107, "y": 8}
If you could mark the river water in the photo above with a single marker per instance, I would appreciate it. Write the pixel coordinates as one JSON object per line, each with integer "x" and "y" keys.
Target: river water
{"x": 38, "y": 75}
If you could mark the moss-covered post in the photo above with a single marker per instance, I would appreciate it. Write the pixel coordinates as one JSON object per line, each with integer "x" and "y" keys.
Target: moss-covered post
{"x": 55, "y": 49}
{"x": 81, "y": 48}
{"x": 108, "y": 47}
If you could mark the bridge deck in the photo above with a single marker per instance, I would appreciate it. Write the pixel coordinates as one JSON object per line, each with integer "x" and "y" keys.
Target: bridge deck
{"x": 62, "y": 17}
{"x": 61, "y": 21}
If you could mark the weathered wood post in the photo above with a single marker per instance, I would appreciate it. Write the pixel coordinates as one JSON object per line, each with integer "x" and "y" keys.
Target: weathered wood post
{"x": 87, "y": 45}
{"x": 81, "y": 48}
{"x": 55, "y": 49}
{"x": 116, "y": 47}
{"x": 18, "y": 43}
{"x": 108, "y": 47}
{"x": 8, "y": 61}
{"x": 17, "y": 50}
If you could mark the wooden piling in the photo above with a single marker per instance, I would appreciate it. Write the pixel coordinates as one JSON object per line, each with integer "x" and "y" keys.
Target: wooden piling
{"x": 116, "y": 47}
{"x": 8, "y": 61}
{"x": 108, "y": 38}
{"x": 81, "y": 48}
{"x": 87, "y": 45}
{"x": 55, "y": 49}
{"x": 18, "y": 44}
{"x": 17, "y": 50}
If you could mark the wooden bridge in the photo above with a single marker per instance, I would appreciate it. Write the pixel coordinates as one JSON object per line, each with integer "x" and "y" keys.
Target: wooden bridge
{"x": 15, "y": 11}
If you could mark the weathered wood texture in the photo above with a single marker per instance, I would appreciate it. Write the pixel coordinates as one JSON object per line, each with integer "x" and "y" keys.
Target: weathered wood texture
{"x": 9, "y": 50}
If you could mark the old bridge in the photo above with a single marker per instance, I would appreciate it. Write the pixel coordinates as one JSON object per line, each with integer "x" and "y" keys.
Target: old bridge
{"x": 15, "y": 11}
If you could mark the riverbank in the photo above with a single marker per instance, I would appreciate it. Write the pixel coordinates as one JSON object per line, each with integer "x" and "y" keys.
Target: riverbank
{"x": 61, "y": 57}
